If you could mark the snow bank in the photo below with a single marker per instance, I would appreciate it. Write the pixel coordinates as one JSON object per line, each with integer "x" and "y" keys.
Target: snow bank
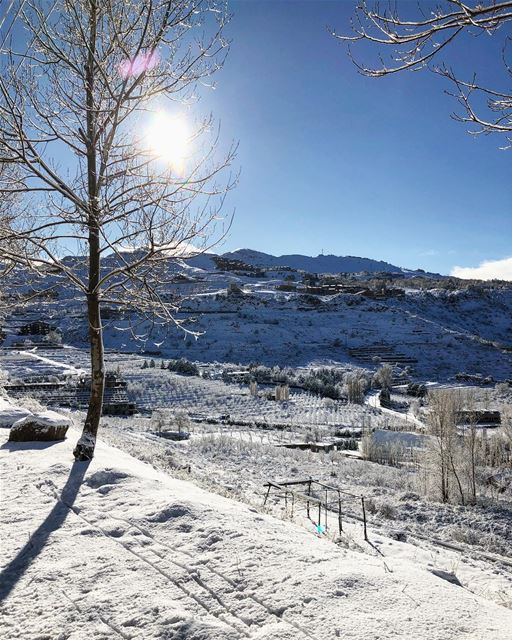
{"x": 9, "y": 414}
{"x": 119, "y": 549}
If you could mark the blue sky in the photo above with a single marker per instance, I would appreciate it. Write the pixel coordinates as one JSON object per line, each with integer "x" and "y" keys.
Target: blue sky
{"x": 336, "y": 162}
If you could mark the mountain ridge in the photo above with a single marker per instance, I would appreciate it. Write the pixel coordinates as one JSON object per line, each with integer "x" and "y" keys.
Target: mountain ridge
{"x": 320, "y": 264}
{"x": 317, "y": 264}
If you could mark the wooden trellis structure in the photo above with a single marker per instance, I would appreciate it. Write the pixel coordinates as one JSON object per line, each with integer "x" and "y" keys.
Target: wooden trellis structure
{"x": 331, "y": 500}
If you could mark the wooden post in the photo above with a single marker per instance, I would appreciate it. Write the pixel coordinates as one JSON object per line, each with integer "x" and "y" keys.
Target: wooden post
{"x": 309, "y": 493}
{"x": 267, "y": 494}
{"x": 364, "y": 520}
{"x": 320, "y": 513}
{"x": 340, "y": 524}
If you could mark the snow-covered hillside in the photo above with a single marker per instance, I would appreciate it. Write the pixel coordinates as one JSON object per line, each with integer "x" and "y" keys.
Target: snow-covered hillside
{"x": 115, "y": 548}
{"x": 433, "y": 327}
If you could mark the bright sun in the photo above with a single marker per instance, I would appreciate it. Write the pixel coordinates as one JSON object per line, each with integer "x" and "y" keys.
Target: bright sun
{"x": 169, "y": 139}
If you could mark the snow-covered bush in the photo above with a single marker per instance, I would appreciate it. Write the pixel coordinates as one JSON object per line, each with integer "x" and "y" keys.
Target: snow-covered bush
{"x": 325, "y": 382}
{"x": 53, "y": 337}
{"x": 387, "y": 510}
{"x": 168, "y": 419}
{"x": 383, "y": 377}
{"x": 30, "y": 404}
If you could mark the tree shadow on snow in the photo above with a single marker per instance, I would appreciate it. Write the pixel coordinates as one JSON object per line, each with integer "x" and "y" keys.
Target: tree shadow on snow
{"x": 16, "y": 568}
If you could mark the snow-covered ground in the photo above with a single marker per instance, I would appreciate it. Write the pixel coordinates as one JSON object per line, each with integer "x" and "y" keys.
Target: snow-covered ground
{"x": 116, "y": 548}
{"x": 373, "y": 400}
{"x": 238, "y": 461}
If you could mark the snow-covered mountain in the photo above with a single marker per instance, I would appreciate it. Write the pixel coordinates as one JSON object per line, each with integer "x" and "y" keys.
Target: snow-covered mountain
{"x": 315, "y": 264}
{"x": 211, "y": 261}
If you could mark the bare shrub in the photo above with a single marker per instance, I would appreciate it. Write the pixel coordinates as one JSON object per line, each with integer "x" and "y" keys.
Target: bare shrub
{"x": 389, "y": 453}
{"x": 465, "y": 535}
{"x": 387, "y": 510}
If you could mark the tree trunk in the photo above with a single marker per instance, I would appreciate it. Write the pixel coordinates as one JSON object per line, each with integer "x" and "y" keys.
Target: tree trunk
{"x": 459, "y": 484}
{"x": 443, "y": 471}
{"x": 473, "y": 463}
{"x": 84, "y": 449}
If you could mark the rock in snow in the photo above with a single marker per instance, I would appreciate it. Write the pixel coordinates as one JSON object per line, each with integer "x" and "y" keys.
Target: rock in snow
{"x": 449, "y": 576}
{"x": 113, "y": 548}
{"x": 47, "y": 425}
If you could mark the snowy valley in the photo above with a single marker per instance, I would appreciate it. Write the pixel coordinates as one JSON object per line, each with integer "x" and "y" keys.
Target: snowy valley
{"x": 178, "y": 491}
{"x": 305, "y": 438}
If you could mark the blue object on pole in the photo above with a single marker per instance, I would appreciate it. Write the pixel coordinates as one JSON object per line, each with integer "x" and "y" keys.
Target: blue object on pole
{"x": 320, "y": 529}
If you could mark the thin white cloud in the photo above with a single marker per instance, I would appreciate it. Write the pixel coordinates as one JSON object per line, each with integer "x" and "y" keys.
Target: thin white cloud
{"x": 487, "y": 270}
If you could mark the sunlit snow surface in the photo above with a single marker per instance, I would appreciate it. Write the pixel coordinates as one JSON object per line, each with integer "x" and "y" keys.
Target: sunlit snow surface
{"x": 122, "y": 550}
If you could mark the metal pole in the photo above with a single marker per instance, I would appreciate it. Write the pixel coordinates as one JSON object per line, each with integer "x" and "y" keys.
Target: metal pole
{"x": 326, "y": 509}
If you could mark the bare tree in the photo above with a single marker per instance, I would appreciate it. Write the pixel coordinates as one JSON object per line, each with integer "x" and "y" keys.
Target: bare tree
{"x": 355, "y": 386}
{"x": 9, "y": 210}
{"x": 88, "y": 109}
{"x": 419, "y": 38}
{"x": 444, "y": 407}
{"x": 506, "y": 424}
{"x": 471, "y": 442}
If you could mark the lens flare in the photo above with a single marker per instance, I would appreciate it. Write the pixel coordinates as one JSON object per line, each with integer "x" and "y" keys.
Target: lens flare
{"x": 133, "y": 67}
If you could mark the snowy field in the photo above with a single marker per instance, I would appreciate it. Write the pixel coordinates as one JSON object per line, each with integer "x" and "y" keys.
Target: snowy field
{"x": 154, "y": 388}
{"x": 115, "y": 548}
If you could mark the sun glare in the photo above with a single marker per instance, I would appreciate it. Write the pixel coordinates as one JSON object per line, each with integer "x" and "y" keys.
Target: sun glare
{"x": 169, "y": 139}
